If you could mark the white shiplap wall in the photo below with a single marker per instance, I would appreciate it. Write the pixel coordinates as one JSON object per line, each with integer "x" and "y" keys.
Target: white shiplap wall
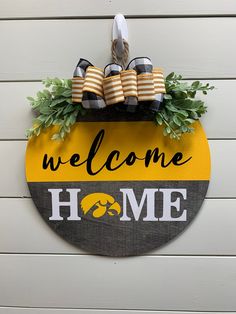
{"x": 42, "y": 274}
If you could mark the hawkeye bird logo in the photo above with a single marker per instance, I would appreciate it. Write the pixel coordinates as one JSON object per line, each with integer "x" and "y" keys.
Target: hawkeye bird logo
{"x": 100, "y": 204}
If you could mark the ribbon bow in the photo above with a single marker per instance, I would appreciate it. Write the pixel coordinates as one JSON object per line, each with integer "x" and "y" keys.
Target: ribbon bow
{"x": 140, "y": 85}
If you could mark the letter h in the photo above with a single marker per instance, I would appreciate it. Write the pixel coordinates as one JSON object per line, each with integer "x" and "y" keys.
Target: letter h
{"x": 72, "y": 204}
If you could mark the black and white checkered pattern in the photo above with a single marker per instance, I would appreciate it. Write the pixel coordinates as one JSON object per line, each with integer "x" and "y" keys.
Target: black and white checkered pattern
{"x": 141, "y": 65}
{"x": 92, "y": 101}
{"x": 112, "y": 69}
{"x": 89, "y": 100}
{"x": 81, "y": 67}
{"x": 155, "y": 105}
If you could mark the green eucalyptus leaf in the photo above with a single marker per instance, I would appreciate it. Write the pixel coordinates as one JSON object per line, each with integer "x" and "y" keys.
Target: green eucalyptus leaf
{"x": 66, "y": 93}
{"x": 177, "y": 120}
{"x": 62, "y": 133}
{"x": 45, "y": 110}
{"x": 68, "y": 109}
{"x": 69, "y": 100}
{"x": 165, "y": 132}
{"x": 170, "y": 76}
{"x": 167, "y": 96}
{"x": 168, "y": 130}
{"x": 67, "y": 129}
{"x": 189, "y": 120}
{"x": 158, "y": 119}
{"x": 57, "y": 101}
{"x": 196, "y": 84}
{"x": 179, "y": 95}
{"x": 56, "y": 137}
{"x": 181, "y": 110}
{"x": 31, "y": 99}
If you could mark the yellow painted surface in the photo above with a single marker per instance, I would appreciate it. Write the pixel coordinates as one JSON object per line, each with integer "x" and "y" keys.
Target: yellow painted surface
{"x": 126, "y": 137}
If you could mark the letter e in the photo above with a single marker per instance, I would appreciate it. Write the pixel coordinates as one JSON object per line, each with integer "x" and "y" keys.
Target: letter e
{"x": 168, "y": 204}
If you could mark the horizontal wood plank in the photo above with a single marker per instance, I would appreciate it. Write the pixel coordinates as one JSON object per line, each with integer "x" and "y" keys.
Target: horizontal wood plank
{"x": 35, "y": 49}
{"x": 18, "y": 310}
{"x": 154, "y": 283}
{"x": 19, "y": 218}
{"x": 82, "y": 8}
{"x": 16, "y": 114}
{"x": 223, "y": 152}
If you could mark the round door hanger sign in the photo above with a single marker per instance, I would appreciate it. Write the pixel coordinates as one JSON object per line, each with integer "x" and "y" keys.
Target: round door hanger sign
{"x": 118, "y": 188}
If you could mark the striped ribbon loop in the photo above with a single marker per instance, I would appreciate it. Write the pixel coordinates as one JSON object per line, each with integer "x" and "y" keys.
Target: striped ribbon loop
{"x": 113, "y": 91}
{"x": 129, "y": 83}
{"x": 159, "y": 83}
{"x": 145, "y": 84}
{"x": 93, "y": 81}
{"x": 77, "y": 86}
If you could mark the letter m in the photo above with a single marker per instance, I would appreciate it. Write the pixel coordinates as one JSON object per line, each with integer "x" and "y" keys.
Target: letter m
{"x": 148, "y": 196}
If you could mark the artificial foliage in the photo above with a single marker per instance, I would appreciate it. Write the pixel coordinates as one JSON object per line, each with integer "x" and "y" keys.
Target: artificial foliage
{"x": 180, "y": 107}
{"x": 53, "y": 106}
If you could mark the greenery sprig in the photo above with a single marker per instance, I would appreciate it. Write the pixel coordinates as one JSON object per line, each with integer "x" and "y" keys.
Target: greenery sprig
{"x": 54, "y": 106}
{"x": 180, "y": 110}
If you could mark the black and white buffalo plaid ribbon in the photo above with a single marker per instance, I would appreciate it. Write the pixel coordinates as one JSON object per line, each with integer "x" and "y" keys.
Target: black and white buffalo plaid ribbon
{"x": 140, "y": 86}
{"x": 90, "y": 98}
